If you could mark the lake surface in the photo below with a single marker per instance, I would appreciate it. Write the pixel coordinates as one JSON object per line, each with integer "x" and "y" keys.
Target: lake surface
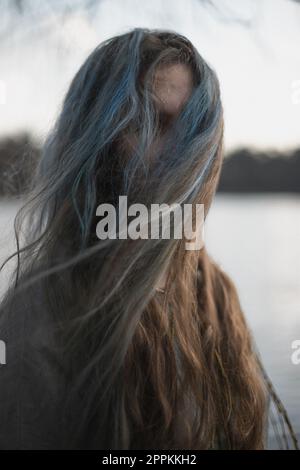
{"x": 256, "y": 239}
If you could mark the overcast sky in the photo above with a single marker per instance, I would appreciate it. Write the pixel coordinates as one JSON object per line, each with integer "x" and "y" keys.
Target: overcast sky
{"x": 252, "y": 44}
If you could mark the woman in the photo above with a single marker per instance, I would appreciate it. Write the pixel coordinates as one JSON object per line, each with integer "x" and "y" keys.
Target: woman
{"x": 121, "y": 343}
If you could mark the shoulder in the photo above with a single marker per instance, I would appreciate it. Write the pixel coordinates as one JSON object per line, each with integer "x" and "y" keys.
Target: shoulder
{"x": 31, "y": 380}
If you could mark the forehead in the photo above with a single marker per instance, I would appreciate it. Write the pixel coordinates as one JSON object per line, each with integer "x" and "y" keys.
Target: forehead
{"x": 172, "y": 86}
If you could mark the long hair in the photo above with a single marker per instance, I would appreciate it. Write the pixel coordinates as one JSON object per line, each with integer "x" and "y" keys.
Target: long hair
{"x": 169, "y": 370}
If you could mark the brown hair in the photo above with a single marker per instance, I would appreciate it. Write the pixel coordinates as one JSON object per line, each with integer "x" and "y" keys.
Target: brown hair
{"x": 192, "y": 377}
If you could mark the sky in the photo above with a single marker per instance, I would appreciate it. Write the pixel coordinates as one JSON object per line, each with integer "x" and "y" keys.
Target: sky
{"x": 252, "y": 44}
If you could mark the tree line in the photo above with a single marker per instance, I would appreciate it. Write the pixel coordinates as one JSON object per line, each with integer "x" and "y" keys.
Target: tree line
{"x": 244, "y": 170}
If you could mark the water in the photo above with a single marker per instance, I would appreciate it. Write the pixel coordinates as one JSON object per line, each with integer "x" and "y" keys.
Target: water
{"x": 256, "y": 239}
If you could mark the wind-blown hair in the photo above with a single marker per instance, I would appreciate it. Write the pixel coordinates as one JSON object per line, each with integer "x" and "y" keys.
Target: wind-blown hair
{"x": 170, "y": 371}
